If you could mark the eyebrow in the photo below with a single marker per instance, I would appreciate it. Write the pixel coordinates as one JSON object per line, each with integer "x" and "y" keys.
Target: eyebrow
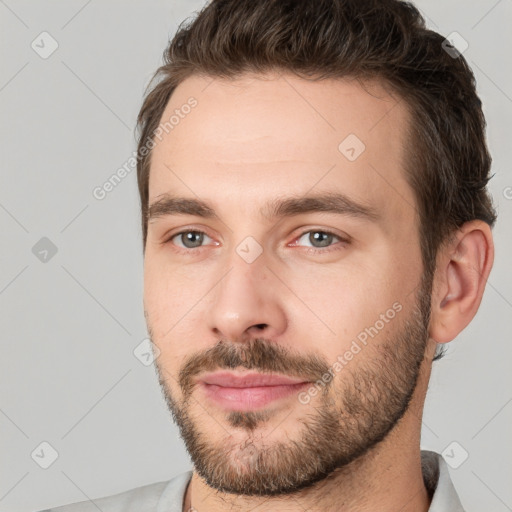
{"x": 329, "y": 202}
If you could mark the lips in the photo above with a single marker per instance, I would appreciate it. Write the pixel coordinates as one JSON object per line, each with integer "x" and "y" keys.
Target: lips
{"x": 244, "y": 392}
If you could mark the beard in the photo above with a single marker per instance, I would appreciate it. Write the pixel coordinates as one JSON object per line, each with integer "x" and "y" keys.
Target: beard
{"x": 355, "y": 411}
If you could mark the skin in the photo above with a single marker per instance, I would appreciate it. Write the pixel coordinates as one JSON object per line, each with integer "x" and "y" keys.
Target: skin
{"x": 259, "y": 138}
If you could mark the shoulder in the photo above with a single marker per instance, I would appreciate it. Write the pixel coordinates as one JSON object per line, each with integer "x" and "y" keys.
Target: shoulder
{"x": 148, "y": 498}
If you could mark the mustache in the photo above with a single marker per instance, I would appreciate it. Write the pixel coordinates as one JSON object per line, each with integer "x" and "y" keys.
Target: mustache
{"x": 257, "y": 354}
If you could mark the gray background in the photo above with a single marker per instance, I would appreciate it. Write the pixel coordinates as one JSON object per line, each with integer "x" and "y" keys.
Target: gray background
{"x": 70, "y": 325}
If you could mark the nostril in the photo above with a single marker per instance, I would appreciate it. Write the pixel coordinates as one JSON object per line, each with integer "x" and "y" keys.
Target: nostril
{"x": 261, "y": 326}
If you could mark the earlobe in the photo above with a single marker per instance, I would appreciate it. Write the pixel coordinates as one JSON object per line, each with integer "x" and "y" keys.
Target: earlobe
{"x": 462, "y": 272}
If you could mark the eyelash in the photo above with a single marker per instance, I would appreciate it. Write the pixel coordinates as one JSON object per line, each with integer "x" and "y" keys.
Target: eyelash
{"x": 314, "y": 250}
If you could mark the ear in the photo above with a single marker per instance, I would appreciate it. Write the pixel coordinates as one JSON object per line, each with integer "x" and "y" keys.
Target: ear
{"x": 463, "y": 267}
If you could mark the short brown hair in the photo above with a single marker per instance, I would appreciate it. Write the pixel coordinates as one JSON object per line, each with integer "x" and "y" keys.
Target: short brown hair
{"x": 447, "y": 160}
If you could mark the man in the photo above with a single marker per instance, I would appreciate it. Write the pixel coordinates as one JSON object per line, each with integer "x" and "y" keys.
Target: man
{"x": 316, "y": 226}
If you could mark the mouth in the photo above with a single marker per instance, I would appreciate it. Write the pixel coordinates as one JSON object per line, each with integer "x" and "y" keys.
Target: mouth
{"x": 249, "y": 391}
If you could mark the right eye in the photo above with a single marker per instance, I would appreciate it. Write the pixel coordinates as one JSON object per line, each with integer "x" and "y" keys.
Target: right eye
{"x": 188, "y": 239}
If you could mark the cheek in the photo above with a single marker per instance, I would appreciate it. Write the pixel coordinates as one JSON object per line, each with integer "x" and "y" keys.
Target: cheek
{"x": 344, "y": 301}
{"x": 170, "y": 291}
{"x": 172, "y": 300}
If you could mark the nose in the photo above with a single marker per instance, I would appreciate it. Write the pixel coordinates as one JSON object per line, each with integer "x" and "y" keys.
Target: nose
{"x": 247, "y": 302}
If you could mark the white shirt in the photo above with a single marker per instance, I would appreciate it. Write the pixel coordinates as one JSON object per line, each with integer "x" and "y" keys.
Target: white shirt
{"x": 168, "y": 496}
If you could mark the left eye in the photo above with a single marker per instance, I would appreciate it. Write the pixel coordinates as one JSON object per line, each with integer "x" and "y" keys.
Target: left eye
{"x": 318, "y": 238}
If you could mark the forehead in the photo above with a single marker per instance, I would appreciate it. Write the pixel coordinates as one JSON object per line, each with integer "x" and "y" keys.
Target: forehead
{"x": 250, "y": 139}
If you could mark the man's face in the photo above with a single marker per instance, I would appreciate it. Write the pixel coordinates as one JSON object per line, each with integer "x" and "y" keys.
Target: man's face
{"x": 334, "y": 300}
